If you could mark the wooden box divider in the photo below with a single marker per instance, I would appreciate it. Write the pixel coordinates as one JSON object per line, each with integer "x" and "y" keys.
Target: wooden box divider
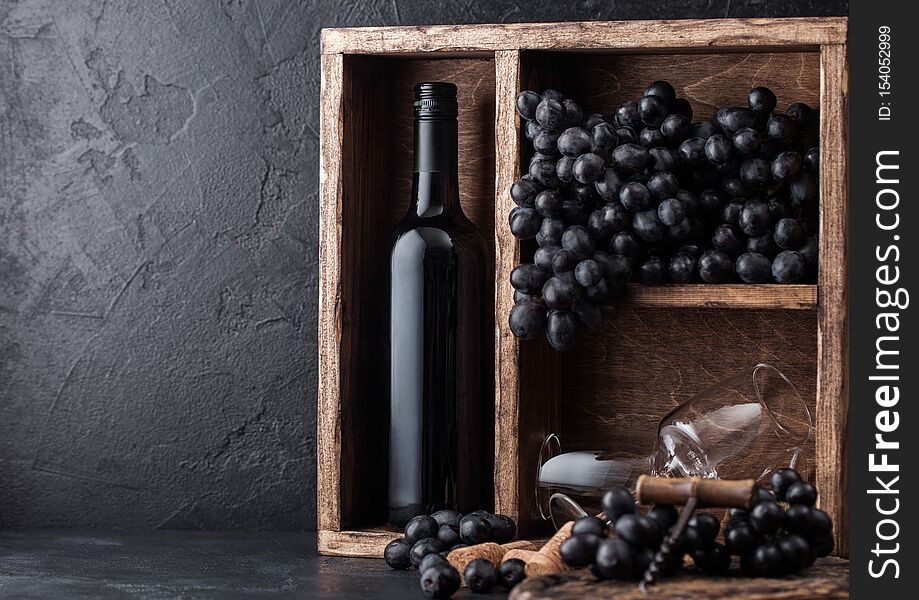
{"x": 676, "y": 334}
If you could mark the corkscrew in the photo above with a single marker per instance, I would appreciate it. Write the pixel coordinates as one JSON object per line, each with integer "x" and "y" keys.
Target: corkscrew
{"x": 690, "y": 493}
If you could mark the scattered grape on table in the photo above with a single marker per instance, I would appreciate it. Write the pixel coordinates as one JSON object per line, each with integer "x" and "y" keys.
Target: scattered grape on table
{"x": 647, "y": 195}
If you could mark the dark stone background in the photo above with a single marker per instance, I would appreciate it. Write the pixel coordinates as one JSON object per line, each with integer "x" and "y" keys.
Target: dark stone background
{"x": 158, "y": 248}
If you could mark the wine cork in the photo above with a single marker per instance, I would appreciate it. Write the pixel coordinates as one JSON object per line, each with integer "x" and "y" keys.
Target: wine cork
{"x": 519, "y": 554}
{"x": 548, "y": 559}
{"x": 490, "y": 551}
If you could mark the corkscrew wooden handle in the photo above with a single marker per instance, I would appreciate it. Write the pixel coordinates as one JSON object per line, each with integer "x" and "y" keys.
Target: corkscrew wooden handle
{"x": 719, "y": 493}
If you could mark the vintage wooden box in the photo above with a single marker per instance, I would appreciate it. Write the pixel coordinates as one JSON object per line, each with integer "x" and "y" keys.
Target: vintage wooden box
{"x": 664, "y": 344}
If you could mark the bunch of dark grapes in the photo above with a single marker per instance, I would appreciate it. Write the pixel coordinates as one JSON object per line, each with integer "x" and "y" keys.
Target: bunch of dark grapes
{"x": 772, "y": 540}
{"x": 647, "y": 195}
{"x": 429, "y": 539}
{"x": 623, "y": 546}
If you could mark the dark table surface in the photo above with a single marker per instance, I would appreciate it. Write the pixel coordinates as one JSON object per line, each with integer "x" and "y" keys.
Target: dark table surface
{"x": 183, "y": 564}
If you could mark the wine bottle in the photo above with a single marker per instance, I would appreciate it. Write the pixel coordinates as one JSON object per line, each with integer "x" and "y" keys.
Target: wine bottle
{"x": 436, "y": 450}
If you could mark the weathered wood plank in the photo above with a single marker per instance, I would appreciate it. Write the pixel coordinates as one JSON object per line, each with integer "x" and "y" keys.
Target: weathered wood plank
{"x": 666, "y": 34}
{"x": 828, "y": 578}
{"x": 366, "y": 542}
{"x": 507, "y": 255}
{"x": 832, "y": 322}
{"x": 328, "y": 424}
{"x": 792, "y": 297}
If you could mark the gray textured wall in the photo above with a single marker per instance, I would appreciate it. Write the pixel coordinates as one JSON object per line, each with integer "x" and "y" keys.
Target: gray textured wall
{"x": 158, "y": 249}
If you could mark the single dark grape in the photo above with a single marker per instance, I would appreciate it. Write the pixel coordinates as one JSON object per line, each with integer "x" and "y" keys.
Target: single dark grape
{"x": 715, "y": 267}
{"x": 632, "y": 529}
{"x": 688, "y": 541}
{"x": 675, "y": 128}
{"x": 480, "y": 575}
{"x": 794, "y": 550}
{"x": 527, "y": 102}
{"x": 681, "y": 106}
{"x": 574, "y": 142}
{"x": 801, "y": 492}
{"x": 397, "y": 554}
{"x": 728, "y": 239}
{"x": 781, "y": 129}
{"x": 431, "y": 560}
{"x": 577, "y": 240}
{"x": 665, "y": 515}
{"x": 524, "y": 222}
{"x": 651, "y": 137}
{"x": 603, "y": 139}
{"x": 663, "y": 185}
{"x": 524, "y": 190}
{"x": 627, "y": 115}
{"x": 635, "y": 196}
{"x": 608, "y": 185}
{"x": 529, "y": 279}
{"x": 550, "y": 232}
{"x": 753, "y": 219}
{"x": 613, "y": 559}
{"x": 564, "y": 169}
{"x": 652, "y": 109}
{"x": 527, "y": 319}
{"x": 733, "y": 119}
{"x": 647, "y": 226}
{"x": 422, "y": 548}
{"x": 579, "y": 550}
{"x": 752, "y": 267}
{"x": 550, "y": 113}
{"x": 532, "y": 129}
{"x": 741, "y": 540}
{"x": 708, "y": 526}
{"x": 803, "y": 115}
{"x": 803, "y": 190}
{"x": 718, "y": 149}
{"x": 573, "y": 112}
{"x": 543, "y": 171}
{"x": 670, "y": 212}
{"x": 589, "y": 525}
{"x": 617, "y": 501}
{"x": 558, "y": 293}
{"x": 663, "y": 90}
{"x": 781, "y": 480}
{"x": 592, "y": 120}
{"x": 475, "y": 529}
{"x": 630, "y": 157}
{"x": 798, "y": 518}
{"x": 755, "y": 173}
{"x": 626, "y": 243}
{"x": 767, "y": 517}
{"x": 812, "y": 160}
{"x": 747, "y": 141}
{"x": 662, "y": 159}
{"x": 448, "y": 535}
{"x": 548, "y": 203}
{"x": 607, "y": 220}
{"x": 627, "y": 135}
{"x": 423, "y": 526}
{"x": 768, "y": 561}
{"x": 503, "y": 528}
{"x": 692, "y": 152}
{"x": 787, "y": 166}
{"x": 588, "y": 272}
{"x": 788, "y": 267}
{"x": 440, "y": 581}
{"x": 447, "y": 517}
{"x": 561, "y": 330}
{"x": 652, "y": 270}
{"x": 682, "y": 268}
{"x": 819, "y": 524}
{"x": 762, "y": 99}
{"x": 511, "y": 572}
{"x": 712, "y": 560}
{"x": 546, "y": 143}
{"x": 588, "y": 168}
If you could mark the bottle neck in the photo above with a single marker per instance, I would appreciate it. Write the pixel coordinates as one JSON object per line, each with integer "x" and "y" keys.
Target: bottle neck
{"x": 435, "y": 188}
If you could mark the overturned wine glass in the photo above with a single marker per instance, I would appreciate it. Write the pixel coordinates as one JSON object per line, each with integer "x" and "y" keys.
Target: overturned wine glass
{"x": 743, "y": 427}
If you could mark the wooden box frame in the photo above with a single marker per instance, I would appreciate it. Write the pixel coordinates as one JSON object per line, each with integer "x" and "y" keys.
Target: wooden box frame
{"x": 516, "y": 430}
